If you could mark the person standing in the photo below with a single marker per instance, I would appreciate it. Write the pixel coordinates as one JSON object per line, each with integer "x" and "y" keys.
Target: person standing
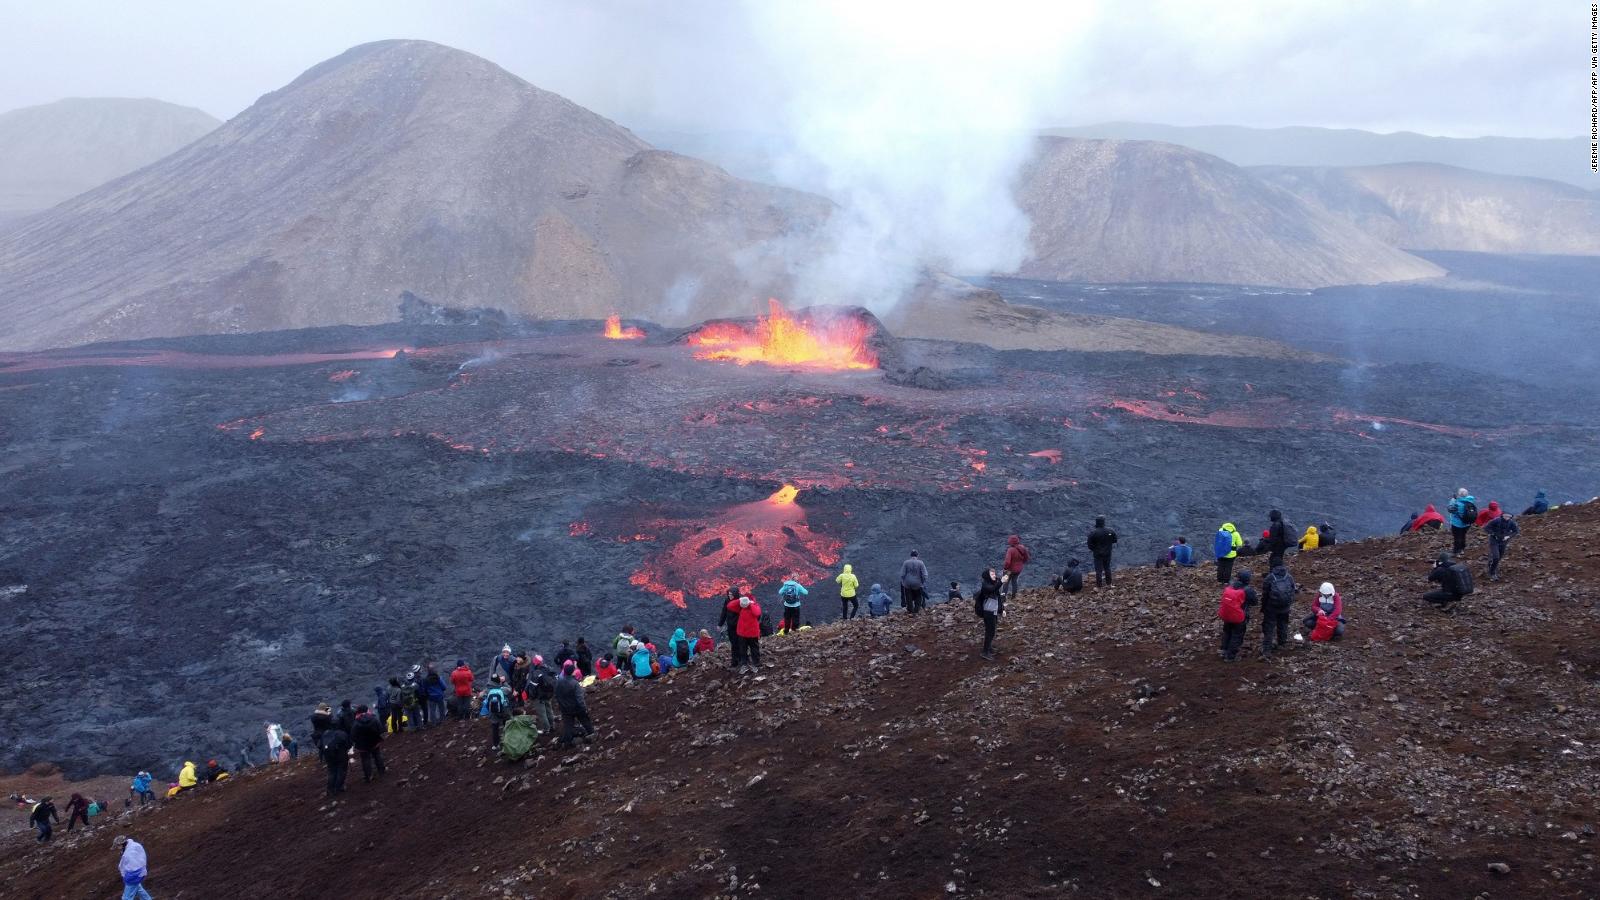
{"x": 1017, "y": 557}
{"x": 1500, "y": 529}
{"x": 1276, "y": 603}
{"x": 584, "y": 658}
{"x": 77, "y": 808}
{"x": 461, "y": 681}
{"x": 1101, "y": 540}
{"x": 497, "y": 701}
{"x": 989, "y": 605}
{"x": 335, "y": 750}
{"x": 274, "y": 741}
{"x": 848, "y": 585}
{"x": 728, "y": 619}
{"x": 1279, "y": 539}
{"x": 749, "y": 627}
{"x": 433, "y": 688}
{"x": 44, "y": 817}
{"x": 133, "y": 865}
{"x": 574, "y": 710}
{"x": 140, "y": 788}
{"x": 345, "y": 718}
{"x": 792, "y": 593}
{"x": 1463, "y": 511}
{"x": 1234, "y": 611}
{"x": 542, "y": 692}
{"x": 913, "y": 584}
{"x": 366, "y": 736}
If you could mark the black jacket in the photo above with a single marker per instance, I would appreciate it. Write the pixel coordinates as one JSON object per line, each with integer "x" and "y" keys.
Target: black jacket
{"x": 541, "y": 683}
{"x": 367, "y": 733}
{"x": 1448, "y": 577}
{"x": 1274, "y": 598}
{"x": 585, "y": 660}
{"x": 569, "y": 696}
{"x": 989, "y": 588}
{"x": 1278, "y": 536}
{"x": 335, "y": 746}
{"x": 1326, "y": 536}
{"x": 344, "y": 719}
{"x": 1100, "y": 541}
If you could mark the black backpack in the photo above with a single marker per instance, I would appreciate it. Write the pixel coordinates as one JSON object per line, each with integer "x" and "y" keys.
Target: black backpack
{"x": 683, "y": 653}
{"x": 766, "y": 624}
{"x": 1282, "y": 588}
{"x": 1463, "y": 578}
{"x": 1467, "y": 512}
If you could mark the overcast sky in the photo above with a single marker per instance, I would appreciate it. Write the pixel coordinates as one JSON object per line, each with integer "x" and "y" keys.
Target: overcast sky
{"x": 1462, "y": 68}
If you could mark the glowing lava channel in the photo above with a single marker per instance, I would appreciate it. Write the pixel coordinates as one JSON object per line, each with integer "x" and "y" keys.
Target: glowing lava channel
{"x": 616, "y": 332}
{"x": 779, "y": 339}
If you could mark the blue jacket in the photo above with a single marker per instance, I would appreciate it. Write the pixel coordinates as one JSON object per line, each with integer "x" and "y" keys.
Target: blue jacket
{"x": 678, "y": 637}
{"x": 141, "y": 783}
{"x": 1182, "y": 554}
{"x": 1541, "y": 504}
{"x": 641, "y": 663}
{"x": 791, "y": 592}
{"x": 1455, "y": 508}
{"x": 382, "y": 695}
{"x": 878, "y": 601}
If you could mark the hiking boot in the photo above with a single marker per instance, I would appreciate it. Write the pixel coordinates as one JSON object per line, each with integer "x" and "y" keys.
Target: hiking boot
{"x": 988, "y": 654}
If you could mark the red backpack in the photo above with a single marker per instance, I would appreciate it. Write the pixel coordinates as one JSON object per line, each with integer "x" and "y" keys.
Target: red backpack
{"x": 1326, "y": 625}
{"x": 1231, "y": 610}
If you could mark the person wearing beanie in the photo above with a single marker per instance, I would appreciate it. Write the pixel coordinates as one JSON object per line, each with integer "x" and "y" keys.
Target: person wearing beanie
{"x": 1234, "y": 611}
{"x": 504, "y": 663}
{"x": 1277, "y": 600}
{"x": 747, "y": 655}
{"x": 574, "y": 710}
{"x": 1279, "y": 538}
{"x": 1326, "y": 622}
{"x": 1101, "y": 540}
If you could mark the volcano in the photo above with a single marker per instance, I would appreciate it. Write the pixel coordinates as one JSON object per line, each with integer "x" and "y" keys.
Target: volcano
{"x": 400, "y": 165}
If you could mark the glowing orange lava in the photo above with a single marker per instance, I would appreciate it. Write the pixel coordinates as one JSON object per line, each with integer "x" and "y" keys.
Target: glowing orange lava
{"x": 779, "y": 339}
{"x": 616, "y": 332}
{"x": 784, "y": 496}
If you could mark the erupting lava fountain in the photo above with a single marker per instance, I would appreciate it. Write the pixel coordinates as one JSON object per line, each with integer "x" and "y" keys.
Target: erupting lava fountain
{"x": 779, "y": 339}
{"x": 616, "y": 332}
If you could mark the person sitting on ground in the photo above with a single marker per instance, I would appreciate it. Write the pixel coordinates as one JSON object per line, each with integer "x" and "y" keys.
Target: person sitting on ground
{"x": 133, "y": 865}
{"x": 44, "y": 817}
{"x": 1430, "y": 520}
{"x": 1487, "y": 514}
{"x": 792, "y": 593}
{"x": 1541, "y": 505}
{"x": 989, "y": 604}
{"x": 583, "y": 658}
{"x": 1261, "y": 546}
{"x": 1180, "y": 553}
{"x": 606, "y": 668}
{"x": 77, "y": 808}
{"x": 461, "y": 682}
{"x": 366, "y": 736}
{"x": 622, "y": 644}
{"x": 1071, "y": 578}
{"x": 1311, "y": 540}
{"x": 1326, "y": 622}
{"x": 665, "y": 661}
{"x": 1410, "y": 525}
{"x": 848, "y": 585}
{"x": 1500, "y": 529}
{"x": 954, "y": 593}
{"x": 878, "y": 602}
{"x": 1234, "y": 612}
{"x": 140, "y": 788}
{"x": 680, "y": 649}
{"x": 187, "y": 778}
{"x": 1454, "y": 582}
{"x": 1325, "y": 536}
{"x": 641, "y": 660}
{"x": 704, "y": 643}
{"x": 214, "y": 771}
{"x": 574, "y": 710}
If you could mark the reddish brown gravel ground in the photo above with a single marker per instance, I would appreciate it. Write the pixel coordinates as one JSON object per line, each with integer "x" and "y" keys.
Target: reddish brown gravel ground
{"x": 1107, "y": 753}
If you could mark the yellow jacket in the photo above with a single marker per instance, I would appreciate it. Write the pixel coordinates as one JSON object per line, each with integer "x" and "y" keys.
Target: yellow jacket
{"x": 1310, "y": 540}
{"x": 186, "y": 777}
{"x": 847, "y": 582}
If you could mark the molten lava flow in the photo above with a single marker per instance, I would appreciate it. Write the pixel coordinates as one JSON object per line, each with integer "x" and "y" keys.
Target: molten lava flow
{"x": 779, "y": 339}
{"x": 784, "y": 496}
{"x": 616, "y": 332}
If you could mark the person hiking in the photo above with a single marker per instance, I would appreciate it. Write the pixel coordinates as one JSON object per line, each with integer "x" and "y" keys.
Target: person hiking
{"x": 989, "y": 604}
{"x": 1311, "y": 540}
{"x": 77, "y": 808}
{"x": 366, "y": 737}
{"x": 1410, "y": 525}
{"x": 1326, "y": 537}
{"x": 1180, "y": 553}
{"x": 1070, "y": 579}
{"x": 913, "y": 584}
{"x": 291, "y": 745}
{"x": 1500, "y": 529}
{"x": 1327, "y": 615}
{"x": 140, "y": 789}
{"x": 878, "y": 602}
{"x": 335, "y": 751}
{"x": 749, "y": 628}
{"x": 497, "y": 703}
{"x": 1487, "y": 514}
{"x": 461, "y": 683}
{"x": 1430, "y": 520}
{"x": 1453, "y": 580}
{"x": 1277, "y": 599}
{"x": 542, "y": 694}
{"x": 1540, "y": 505}
{"x": 505, "y": 662}
{"x": 1101, "y": 540}
{"x": 43, "y": 816}
{"x": 1463, "y": 511}
{"x": 1234, "y": 611}
{"x": 1017, "y": 556}
{"x": 402, "y": 701}
{"x": 574, "y": 710}
{"x": 583, "y": 658}
{"x": 791, "y": 593}
{"x": 1226, "y": 549}
{"x": 133, "y": 864}
{"x": 848, "y": 584}
{"x": 1278, "y": 539}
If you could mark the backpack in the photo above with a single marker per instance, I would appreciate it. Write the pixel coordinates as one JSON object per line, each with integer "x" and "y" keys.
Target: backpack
{"x": 766, "y": 624}
{"x": 683, "y": 653}
{"x": 1326, "y": 625}
{"x": 1223, "y": 545}
{"x": 655, "y": 667}
{"x": 408, "y": 696}
{"x": 1467, "y": 511}
{"x": 1463, "y": 578}
{"x": 497, "y": 702}
{"x": 1281, "y": 588}
{"x": 1231, "y": 610}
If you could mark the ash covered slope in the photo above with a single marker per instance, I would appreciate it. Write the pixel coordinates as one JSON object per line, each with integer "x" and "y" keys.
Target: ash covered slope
{"x": 1426, "y": 206}
{"x": 400, "y": 165}
{"x": 59, "y": 150}
{"x": 1108, "y": 751}
{"x": 1119, "y": 211}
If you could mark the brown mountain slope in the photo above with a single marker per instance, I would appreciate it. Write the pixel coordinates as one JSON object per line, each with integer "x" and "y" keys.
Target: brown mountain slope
{"x": 1108, "y": 751}
{"x": 1426, "y": 206}
{"x": 400, "y": 165}
{"x": 1119, "y": 211}
{"x": 59, "y": 150}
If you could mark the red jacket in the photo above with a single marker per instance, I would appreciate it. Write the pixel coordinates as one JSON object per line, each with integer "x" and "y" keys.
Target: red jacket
{"x": 749, "y": 618}
{"x": 462, "y": 679}
{"x": 1016, "y": 555}
{"x": 704, "y": 645}
{"x": 1488, "y": 515}
{"x": 604, "y": 671}
{"x": 1428, "y": 515}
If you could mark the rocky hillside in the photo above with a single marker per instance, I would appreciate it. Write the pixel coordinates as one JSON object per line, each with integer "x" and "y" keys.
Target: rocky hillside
{"x": 400, "y": 165}
{"x": 59, "y": 150}
{"x": 1107, "y": 752}
{"x": 1119, "y": 211}
{"x": 1424, "y": 206}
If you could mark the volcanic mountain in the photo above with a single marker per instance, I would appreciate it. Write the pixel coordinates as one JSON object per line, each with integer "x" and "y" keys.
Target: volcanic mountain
{"x": 1119, "y": 211}
{"x": 399, "y": 165}
{"x": 59, "y": 150}
{"x": 1426, "y": 206}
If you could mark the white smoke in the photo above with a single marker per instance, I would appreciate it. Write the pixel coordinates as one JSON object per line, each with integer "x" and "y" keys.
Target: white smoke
{"x": 916, "y": 117}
